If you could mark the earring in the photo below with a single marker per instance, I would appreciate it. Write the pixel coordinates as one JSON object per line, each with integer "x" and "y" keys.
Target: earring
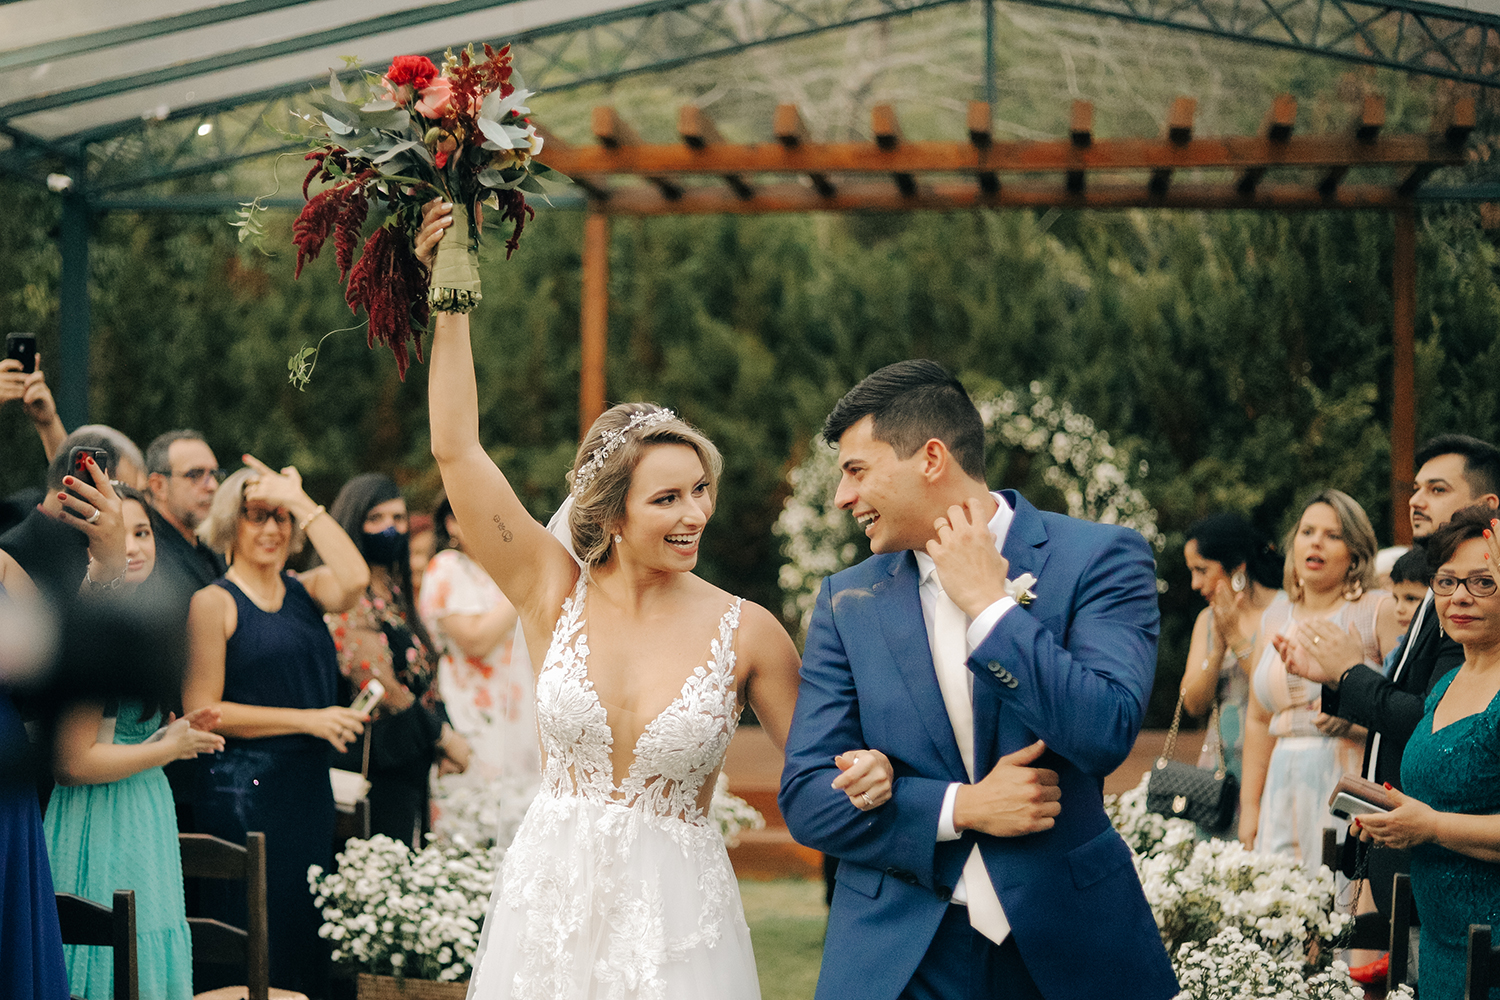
{"x": 619, "y": 539}
{"x": 1238, "y": 582}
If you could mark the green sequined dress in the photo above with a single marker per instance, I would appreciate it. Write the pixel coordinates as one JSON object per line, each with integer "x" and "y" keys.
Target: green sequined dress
{"x": 123, "y": 835}
{"x": 1456, "y": 769}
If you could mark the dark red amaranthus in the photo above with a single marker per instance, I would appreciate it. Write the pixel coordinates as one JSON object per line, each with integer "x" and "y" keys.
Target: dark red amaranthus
{"x": 513, "y": 209}
{"x": 391, "y": 285}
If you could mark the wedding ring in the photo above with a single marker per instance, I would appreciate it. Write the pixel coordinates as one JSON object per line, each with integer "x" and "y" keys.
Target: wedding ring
{"x": 1315, "y": 640}
{"x": 866, "y": 797}
{"x": 94, "y": 518}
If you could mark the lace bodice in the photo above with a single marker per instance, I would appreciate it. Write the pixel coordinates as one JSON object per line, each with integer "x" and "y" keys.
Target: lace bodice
{"x": 677, "y": 755}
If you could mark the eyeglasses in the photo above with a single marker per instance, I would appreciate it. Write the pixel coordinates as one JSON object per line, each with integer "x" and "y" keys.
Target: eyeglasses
{"x": 195, "y": 476}
{"x": 1477, "y": 585}
{"x": 260, "y": 515}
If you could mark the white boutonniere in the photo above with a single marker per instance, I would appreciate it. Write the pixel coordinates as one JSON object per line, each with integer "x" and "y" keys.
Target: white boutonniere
{"x": 1019, "y": 589}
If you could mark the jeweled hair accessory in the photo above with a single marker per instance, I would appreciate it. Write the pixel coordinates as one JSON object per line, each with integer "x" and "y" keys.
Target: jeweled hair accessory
{"x": 612, "y": 439}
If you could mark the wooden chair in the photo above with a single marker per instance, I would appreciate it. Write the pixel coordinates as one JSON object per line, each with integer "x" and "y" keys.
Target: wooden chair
{"x": 1484, "y": 963}
{"x": 85, "y": 922}
{"x": 217, "y": 943}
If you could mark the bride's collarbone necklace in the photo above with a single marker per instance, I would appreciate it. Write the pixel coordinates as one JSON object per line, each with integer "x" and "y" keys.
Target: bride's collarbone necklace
{"x": 270, "y": 604}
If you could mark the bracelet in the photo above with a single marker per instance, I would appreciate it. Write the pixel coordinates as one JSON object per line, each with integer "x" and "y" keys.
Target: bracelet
{"x": 309, "y": 519}
{"x": 98, "y": 585}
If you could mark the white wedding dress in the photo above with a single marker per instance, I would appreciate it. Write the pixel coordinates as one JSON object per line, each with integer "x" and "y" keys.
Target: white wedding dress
{"x": 621, "y": 893}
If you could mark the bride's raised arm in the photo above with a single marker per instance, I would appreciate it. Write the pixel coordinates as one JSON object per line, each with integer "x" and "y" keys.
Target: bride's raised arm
{"x": 531, "y": 566}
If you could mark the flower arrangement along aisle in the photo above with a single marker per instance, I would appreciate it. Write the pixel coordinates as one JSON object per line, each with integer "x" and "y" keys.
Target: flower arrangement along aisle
{"x": 1237, "y": 923}
{"x": 461, "y": 134}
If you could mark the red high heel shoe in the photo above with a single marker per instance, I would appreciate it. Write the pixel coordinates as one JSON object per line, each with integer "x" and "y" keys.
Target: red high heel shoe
{"x": 1374, "y": 972}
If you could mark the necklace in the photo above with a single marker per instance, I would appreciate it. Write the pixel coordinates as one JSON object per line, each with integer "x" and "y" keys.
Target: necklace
{"x": 271, "y": 604}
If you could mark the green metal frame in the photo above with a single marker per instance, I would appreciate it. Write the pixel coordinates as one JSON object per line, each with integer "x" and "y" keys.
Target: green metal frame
{"x": 1404, "y": 35}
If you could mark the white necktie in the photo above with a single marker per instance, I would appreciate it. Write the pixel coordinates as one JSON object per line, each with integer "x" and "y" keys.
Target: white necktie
{"x": 950, "y": 655}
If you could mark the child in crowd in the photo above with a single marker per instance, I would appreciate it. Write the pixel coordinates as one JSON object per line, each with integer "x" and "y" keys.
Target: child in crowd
{"x": 1409, "y": 579}
{"x": 110, "y": 823}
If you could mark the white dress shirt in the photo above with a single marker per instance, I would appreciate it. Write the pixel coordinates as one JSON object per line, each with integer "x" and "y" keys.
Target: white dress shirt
{"x": 979, "y": 628}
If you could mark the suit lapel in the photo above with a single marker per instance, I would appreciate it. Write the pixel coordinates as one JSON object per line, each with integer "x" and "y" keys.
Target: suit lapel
{"x": 1025, "y": 549}
{"x": 905, "y": 632}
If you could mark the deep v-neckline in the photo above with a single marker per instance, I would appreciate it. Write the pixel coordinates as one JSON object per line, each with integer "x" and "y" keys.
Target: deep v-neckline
{"x": 698, "y": 674}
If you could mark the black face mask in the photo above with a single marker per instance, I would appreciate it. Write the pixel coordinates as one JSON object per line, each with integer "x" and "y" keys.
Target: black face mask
{"x": 385, "y": 548}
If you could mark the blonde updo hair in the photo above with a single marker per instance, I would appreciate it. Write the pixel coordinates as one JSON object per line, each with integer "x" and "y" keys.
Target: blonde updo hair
{"x": 600, "y": 505}
{"x": 1359, "y": 538}
{"x": 219, "y": 529}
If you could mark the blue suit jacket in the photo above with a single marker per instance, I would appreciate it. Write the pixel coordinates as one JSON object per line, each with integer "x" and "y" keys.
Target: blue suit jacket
{"x": 1075, "y": 669}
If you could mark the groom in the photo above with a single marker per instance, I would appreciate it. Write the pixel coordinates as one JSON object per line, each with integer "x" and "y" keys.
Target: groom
{"x": 992, "y": 871}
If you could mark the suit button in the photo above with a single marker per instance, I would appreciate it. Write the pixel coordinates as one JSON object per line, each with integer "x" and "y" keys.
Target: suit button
{"x": 1012, "y": 683}
{"x": 944, "y": 893}
{"x": 996, "y": 668}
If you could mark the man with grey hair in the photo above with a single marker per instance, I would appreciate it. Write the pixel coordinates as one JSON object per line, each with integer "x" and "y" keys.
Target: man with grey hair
{"x": 182, "y": 476}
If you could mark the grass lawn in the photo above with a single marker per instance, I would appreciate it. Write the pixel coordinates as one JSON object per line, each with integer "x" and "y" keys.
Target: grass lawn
{"x": 786, "y": 921}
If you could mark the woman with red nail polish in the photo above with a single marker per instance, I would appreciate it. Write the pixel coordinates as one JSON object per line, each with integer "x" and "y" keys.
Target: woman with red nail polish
{"x": 1449, "y": 812}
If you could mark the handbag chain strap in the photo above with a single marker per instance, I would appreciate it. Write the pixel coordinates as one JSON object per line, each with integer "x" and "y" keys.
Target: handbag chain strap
{"x": 1212, "y": 733}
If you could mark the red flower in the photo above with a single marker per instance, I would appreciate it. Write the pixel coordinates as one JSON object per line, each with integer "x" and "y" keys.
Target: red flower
{"x": 417, "y": 71}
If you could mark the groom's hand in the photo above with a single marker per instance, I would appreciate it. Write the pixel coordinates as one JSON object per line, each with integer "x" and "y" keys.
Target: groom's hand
{"x": 1012, "y": 800}
{"x": 969, "y": 567}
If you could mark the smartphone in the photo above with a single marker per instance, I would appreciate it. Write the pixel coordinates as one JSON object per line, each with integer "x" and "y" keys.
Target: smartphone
{"x": 1346, "y": 806}
{"x": 79, "y": 469}
{"x": 22, "y": 347}
{"x": 368, "y": 696}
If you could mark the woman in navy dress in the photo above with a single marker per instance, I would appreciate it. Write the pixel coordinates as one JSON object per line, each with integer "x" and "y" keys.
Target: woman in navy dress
{"x": 31, "y": 949}
{"x": 1449, "y": 811}
{"x": 261, "y": 655}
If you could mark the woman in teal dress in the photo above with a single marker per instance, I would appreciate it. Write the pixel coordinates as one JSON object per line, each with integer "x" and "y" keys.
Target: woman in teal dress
{"x": 1449, "y": 813}
{"x": 111, "y": 824}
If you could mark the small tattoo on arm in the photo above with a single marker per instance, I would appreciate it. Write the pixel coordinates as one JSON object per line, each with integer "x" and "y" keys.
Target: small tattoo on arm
{"x": 505, "y": 533}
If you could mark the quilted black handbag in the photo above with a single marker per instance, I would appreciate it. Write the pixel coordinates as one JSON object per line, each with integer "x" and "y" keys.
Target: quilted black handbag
{"x": 1183, "y": 791}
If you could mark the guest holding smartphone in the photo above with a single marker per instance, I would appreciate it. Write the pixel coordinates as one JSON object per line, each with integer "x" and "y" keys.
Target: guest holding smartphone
{"x": 1448, "y": 809}
{"x": 110, "y": 823}
{"x": 260, "y": 655}
{"x": 382, "y": 636}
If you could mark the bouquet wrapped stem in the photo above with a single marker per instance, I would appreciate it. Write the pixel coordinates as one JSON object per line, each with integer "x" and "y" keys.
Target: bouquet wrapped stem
{"x": 455, "y": 271}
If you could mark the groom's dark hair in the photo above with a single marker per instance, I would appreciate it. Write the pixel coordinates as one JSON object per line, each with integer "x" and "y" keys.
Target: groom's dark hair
{"x": 912, "y": 403}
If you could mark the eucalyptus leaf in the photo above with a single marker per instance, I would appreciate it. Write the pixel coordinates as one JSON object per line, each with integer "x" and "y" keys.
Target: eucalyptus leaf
{"x": 338, "y": 127}
{"x": 531, "y": 185}
{"x": 335, "y": 87}
{"x": 378, "y": 104}
{"x": 491, "y": 178}
{"x": 399, "y": 147}
{"x": 397, "y": 120}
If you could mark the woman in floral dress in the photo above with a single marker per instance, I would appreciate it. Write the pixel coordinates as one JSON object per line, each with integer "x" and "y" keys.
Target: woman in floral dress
{"x": 488, "y": 692}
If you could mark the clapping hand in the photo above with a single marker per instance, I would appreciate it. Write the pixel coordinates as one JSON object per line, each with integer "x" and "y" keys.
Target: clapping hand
{"x": 1321, "y": 651}
{"x": 187, "y": 739}
{"x": 867, "y": 778}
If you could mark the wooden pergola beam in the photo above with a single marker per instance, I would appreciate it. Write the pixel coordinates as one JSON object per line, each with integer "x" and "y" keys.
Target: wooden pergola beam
{"x": 614, "y": 133}
{"x": 887, "y": 132}
{"x": 1179, "y": 133}
{"x": 1047, "y": 156}
{"x": 1451, "y": 125}
{"x": 953, "y": 195}
{"x": 699, "y": 132}
{"x": 1080, "y": 136}
{"x": 791, "y": 132}
{"x": 981, "y": 136}
{"x": 1367, "y": 126}
{"x": 1277, "y": 126}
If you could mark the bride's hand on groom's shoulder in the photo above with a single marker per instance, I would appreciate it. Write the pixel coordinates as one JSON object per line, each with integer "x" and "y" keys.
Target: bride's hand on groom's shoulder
{"x": 866, "y": 778}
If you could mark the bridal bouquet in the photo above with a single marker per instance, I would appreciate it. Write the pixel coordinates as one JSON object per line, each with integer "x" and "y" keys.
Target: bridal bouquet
{"x": 462, "y": 134}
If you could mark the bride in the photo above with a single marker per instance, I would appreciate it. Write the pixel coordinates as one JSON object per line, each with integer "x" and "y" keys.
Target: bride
{"x": 617, "y": 885}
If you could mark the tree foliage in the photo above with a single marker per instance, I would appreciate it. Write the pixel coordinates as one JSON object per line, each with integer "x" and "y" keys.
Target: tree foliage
{"x": 1245, "y": 356}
